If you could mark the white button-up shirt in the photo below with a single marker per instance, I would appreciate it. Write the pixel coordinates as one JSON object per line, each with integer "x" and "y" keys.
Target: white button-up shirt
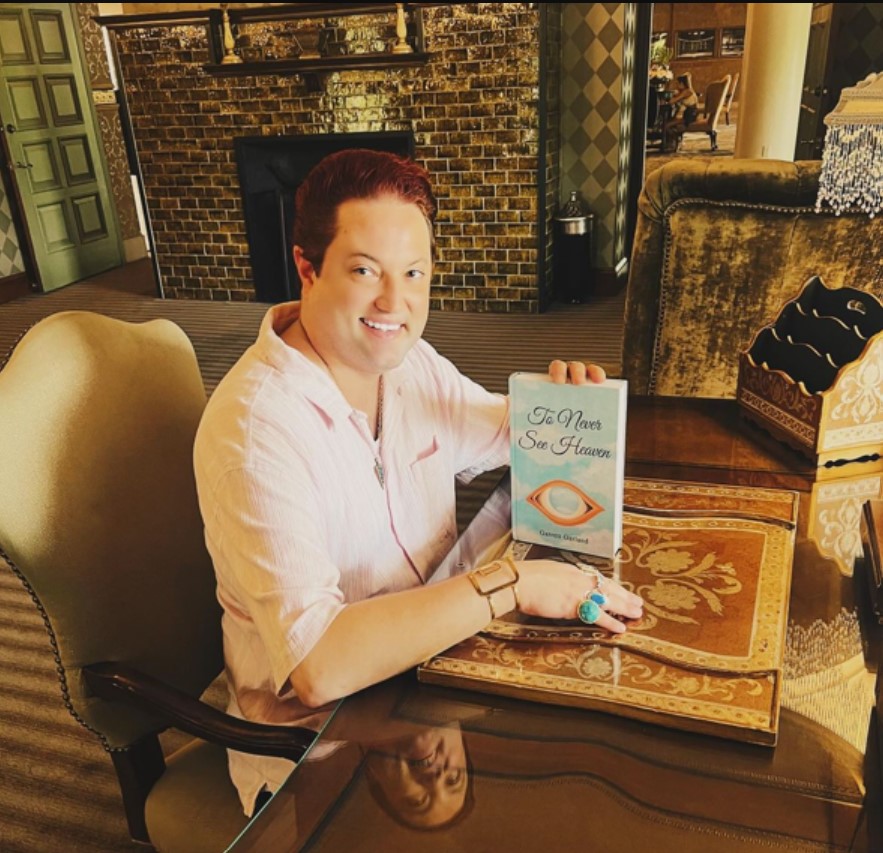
{"x": 297, "y": 521}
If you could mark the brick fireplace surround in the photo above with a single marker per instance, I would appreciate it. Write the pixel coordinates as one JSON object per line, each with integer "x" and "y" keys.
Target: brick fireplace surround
{"x": 482, "y": 112}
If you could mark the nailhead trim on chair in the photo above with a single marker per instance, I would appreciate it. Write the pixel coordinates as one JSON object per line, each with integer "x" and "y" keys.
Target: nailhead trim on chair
{"x": 59, "y": 666}
{"x": 15, "y": 343}
{"x": 665, "y": 279}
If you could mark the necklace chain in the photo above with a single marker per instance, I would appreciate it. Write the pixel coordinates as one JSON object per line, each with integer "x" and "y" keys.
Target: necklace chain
{"x": 378, "y": 463}
{"x": 379, "y": 430}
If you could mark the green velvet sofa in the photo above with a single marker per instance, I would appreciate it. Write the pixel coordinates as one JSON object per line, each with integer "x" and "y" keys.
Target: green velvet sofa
{"x": 720, "y": 246}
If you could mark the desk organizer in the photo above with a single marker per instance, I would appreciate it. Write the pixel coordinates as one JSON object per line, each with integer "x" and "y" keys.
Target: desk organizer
{"x": 814, "y": 377}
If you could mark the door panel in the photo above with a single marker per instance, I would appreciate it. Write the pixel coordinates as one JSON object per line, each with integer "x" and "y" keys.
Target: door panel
{"x": 42, "y": 172}
{"x": 13, "y": 44}
{"x": 77, "y": 160}
{"x": 50, "y": 37}
{"x": 52, "y": 143}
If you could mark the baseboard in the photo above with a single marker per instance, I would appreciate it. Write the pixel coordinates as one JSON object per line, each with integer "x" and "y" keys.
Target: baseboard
{"x": 610, "y": 281}
{"x": 135, "y": 248}
{"x": 14, "y": 286}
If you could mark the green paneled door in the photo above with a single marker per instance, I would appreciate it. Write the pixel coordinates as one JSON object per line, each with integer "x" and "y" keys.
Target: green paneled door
{"x": 52, "y": 145}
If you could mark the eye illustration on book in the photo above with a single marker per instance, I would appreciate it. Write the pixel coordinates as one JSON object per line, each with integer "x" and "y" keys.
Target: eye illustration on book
{"x": 563, "y": 503}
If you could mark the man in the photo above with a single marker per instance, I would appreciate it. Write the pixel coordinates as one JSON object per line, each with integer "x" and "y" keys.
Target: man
{"x": 326, "y": 462}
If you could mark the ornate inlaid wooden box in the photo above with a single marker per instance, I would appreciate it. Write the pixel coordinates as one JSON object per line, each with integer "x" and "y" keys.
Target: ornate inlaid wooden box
{"x": 813, "y": 377}
{"x": 713, "y": 565}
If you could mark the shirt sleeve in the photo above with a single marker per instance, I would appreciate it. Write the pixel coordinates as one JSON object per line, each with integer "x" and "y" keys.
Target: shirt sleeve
{"x": 271, "y": 558}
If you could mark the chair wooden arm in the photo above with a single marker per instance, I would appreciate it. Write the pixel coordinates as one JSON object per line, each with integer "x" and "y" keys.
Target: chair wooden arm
{"x": 176, "y": 709}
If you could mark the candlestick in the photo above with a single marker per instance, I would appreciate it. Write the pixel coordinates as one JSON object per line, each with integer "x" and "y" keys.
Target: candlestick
{"x": 401, "y": 46}
{"x": 230, "y": 57}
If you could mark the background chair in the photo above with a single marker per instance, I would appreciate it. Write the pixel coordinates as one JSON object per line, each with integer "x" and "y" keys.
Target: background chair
{"x": 99, "y": 520}
{"x": 731, "y": 94}
{"x": 709, "y": 113}
{"x": 720, "y": 246}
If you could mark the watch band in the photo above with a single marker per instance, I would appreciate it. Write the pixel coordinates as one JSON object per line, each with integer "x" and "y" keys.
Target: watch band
{"x": 493, "y": 578}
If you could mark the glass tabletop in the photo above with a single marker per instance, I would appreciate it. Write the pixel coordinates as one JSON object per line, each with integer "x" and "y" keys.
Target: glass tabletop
{"x": 410, "y": 766}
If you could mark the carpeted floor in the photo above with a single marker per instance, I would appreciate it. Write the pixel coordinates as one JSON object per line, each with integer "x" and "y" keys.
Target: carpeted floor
{"x": 693, "y": 146}
{"x": 58, "y": 792}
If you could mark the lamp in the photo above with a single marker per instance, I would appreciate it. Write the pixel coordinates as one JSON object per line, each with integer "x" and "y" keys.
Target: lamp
{"x": 852, "y": 160}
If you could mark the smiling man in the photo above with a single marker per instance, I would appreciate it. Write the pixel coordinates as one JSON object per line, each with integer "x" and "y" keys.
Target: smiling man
{"x": 326, "y": 463}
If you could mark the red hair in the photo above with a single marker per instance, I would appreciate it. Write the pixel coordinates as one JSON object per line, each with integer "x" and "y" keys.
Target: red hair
{"x": 355, "y": 173}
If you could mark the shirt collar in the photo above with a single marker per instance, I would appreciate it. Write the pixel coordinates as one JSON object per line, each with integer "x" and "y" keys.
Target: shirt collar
{"x": 310, "y": 379}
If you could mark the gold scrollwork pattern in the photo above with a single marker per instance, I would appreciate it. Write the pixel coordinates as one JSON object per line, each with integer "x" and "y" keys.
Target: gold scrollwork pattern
{"x": 696, "y": 575}
{"x": 804, "y": 433}
{"x": 596, "y": 664}
{"x": 93, "y": 45}
{"x": 835, "y": 515}
{"x": 118, "y": 167}
{"x": 857, "y": 399}
{"x": 665, "y": 494}
{"x": 681, "y": 583}
{"x": 612, "y": 675}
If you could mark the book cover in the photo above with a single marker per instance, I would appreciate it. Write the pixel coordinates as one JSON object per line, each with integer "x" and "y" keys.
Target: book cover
{"x": 568, "y": 463}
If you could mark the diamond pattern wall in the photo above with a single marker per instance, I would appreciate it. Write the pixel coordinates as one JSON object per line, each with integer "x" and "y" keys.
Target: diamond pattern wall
{"x": 592, "y": 144}
{"x": 11, "y": 261}
{"x": 858, "y": 44}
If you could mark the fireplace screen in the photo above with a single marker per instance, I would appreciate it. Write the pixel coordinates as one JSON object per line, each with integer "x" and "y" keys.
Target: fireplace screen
{"x": 271, "y": 168}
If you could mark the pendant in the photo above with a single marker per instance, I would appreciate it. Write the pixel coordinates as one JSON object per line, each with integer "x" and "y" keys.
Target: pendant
{"x": 378, "y": 472}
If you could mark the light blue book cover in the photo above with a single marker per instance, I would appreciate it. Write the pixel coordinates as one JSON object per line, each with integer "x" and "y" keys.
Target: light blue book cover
{"x": 568, "y": 463}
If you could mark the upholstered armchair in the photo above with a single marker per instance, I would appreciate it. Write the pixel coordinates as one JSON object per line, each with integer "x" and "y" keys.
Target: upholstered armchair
{"x": 709, "y": 114}
{"x": 730, "y": 97}
{"x": 100, "y": 522}
{"x": 719, "y": 247}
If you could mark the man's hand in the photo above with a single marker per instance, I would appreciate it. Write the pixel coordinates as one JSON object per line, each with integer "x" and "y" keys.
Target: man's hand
{"x": 576, "y": 372}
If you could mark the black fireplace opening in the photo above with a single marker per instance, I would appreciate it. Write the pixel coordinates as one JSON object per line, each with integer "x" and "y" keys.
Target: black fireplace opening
{"x": 271, "y": 168}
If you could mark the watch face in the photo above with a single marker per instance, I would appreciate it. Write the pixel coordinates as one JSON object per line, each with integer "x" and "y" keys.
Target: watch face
{"x": 492, "y": 577}
{"x": 563, "y": 503}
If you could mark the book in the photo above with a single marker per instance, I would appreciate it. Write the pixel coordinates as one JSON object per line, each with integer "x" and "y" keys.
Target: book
{"x": 568, "y": 463}
{"x": 713, "y": 565}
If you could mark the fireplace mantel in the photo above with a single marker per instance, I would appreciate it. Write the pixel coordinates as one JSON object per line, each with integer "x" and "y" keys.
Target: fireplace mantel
{"x": 212, "y": 19}
{"x": 480, "y": 111}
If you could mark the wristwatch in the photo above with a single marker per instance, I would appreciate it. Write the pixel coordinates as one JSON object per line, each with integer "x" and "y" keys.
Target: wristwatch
{"x": 494, "y": 578}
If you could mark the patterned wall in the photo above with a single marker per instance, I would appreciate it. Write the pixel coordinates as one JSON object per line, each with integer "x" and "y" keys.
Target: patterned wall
{"x": 593, "y": 37}
{"x": 108, "y": 119}
{"x": 858, "y": 48}
{"x": 629, "y": 45}
{"x": 11, "y": 261}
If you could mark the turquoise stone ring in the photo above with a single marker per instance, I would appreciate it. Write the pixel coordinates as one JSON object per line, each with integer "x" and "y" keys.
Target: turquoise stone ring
{"x": 588, "y": 611}
{"x": 599, "y": 598}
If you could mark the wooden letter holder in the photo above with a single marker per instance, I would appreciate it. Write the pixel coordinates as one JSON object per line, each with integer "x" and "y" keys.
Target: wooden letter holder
{"x": 814, "y": 377}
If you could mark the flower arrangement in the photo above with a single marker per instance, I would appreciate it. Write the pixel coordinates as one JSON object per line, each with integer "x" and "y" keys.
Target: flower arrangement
{"x": 660, "y": 56}
{"x": 660, "y": 53}
{"x": 660, "y": 75}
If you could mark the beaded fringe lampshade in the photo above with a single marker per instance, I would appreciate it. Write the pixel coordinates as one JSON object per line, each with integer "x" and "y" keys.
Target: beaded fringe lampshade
{"x": 852, "y": 161}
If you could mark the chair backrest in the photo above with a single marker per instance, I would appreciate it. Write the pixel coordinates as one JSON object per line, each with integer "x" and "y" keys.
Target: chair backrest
{"x": 98, "y": 507}
{"x": 715, "y": 95}
{"x": 720, "y": 246}
{"x": 731, "y": 94}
